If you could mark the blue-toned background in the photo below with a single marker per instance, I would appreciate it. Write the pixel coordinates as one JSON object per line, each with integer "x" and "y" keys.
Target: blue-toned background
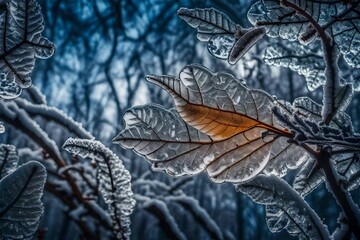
{"x": 104, "y": 48}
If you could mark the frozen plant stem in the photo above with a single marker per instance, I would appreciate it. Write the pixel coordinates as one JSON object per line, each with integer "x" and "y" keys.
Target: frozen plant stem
{"x": 342, "y": 196}
{"x": 332, "y": 83}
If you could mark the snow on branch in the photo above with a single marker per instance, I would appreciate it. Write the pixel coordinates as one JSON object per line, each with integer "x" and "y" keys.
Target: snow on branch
{"x": 54, "y": 114}
{"x": 115, "y": 181}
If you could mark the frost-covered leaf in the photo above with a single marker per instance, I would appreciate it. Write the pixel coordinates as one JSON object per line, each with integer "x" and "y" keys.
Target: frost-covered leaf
{"x": 286, "y": 23}
{"x": 339, "y": 19}
{"x": 348, "y": 166}
{"x": 279, "y": 21}
{"x": 336, "y": 99}
{"x": 220, "y": 46}
{"x": 226, "y": 40}
{"x": 234, "y": 47}
{"x": 285, "y": 208}
{"x": 232, "y": 136}
{"x": 20, "y": 204}
{"x": 218, "y": 104}
{"x": 347, "y": 36}
{"x": 307, "y": 61}
{"x": 208, "y": 22}
{"x": 21, "y": 24}
{"x": 8, "y": 159}
{"x": 309, "y": 177}
{"x": 312, "y": 110}
{"x": 310, "y": 132}
{"x": 244, "y": 43}
{"x": 114, "y": 178}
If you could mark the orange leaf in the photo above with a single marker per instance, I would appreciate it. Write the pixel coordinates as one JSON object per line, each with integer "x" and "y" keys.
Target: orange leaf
{"x": 199, "y": 96}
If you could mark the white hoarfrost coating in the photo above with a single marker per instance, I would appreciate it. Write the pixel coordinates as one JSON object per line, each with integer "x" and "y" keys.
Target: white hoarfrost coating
{"x": 114, "y": 179}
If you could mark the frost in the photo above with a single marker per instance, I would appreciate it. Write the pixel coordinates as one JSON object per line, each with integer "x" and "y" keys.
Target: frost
{"x": 244, "y": 43}
{"x": 333, "y": 15}
{"x": 208, "y": 22}
{"x": 347, "y": 36}
{"x": 220, "y": 45}
{"x": 20, "y": 205}
{"x": 10, "y": 111}
{"x": 54, "y": 114}
{"x": 36, "y": 96}
{"x": 8, "y": 159}
{"x": 279, "y": 21}
{"x": 348, "y": 166}
{"x": 356, "y": 79}
{"x": 312, "y": 110}
{"x": 21, "y": 27}
{"x": 336, "y": 97}
{"x": 8, "y": 88}
{"x": 342, "y": 231}
{"x": 285, "y": 208}
{"x": 115, "y": 181}
{"x": 307, "y": 61}
{"x": 309, "y": 177}
{"x": 286, "y": 23}
{"x": 225, "y": 39}
{"x": 285, "y": 156}
{"x": 308, "y": 131}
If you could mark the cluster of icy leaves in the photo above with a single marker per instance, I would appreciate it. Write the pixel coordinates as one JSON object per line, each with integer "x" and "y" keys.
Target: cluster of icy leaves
{"x": 21, "y": 190}
{"x": 241, "y": 135}
{"x": 114, "y": 181}
{"x": 339, "y": 19}
{"x": 286, "y": 23}
{"x": 305, "y": 60}
{"x": 21, "y": 24}
{"x": 219, "y": 126}
{"x": 347, "y": 36}
{"x": 226, "y": 40}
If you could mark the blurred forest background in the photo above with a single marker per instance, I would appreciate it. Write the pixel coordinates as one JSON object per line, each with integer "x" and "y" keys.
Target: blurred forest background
{"x": 104, "y": 48}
